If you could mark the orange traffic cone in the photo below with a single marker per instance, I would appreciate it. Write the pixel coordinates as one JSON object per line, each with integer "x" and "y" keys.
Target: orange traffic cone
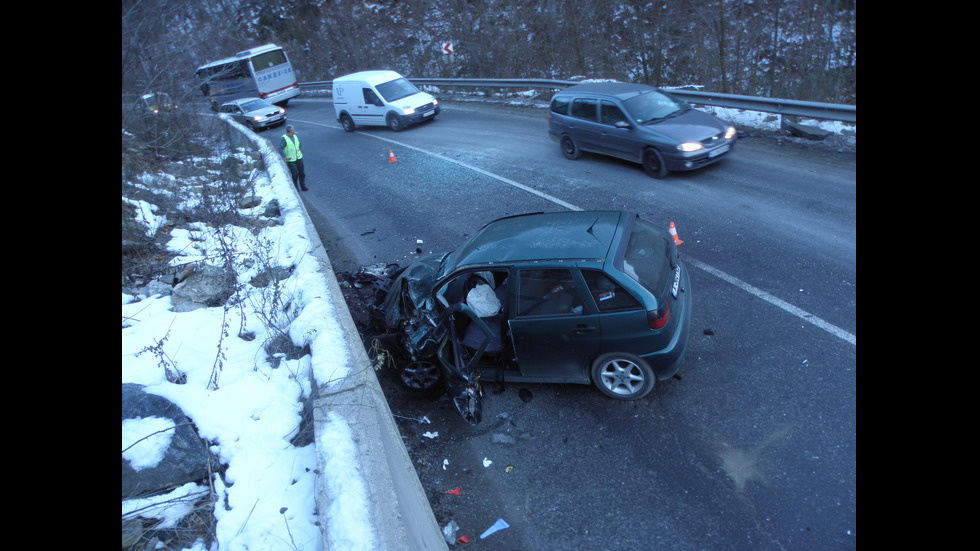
{"x": 673, "y": 232}
{"x": 391, "y": 156}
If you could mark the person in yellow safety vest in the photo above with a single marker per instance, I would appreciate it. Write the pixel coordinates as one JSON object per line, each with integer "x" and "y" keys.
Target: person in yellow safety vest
{"x": 289, "y": 145}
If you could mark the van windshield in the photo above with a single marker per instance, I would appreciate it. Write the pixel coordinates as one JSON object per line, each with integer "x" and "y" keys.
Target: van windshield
{"x": 654, "y": 106}
{"x": 396, "y": 89}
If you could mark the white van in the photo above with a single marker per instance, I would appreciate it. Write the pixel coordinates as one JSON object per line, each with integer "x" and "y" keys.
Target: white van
{"x": 380, "y": 98}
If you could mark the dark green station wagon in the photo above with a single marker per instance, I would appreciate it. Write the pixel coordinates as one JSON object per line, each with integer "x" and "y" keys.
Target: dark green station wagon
{"x": 569, "y": 297}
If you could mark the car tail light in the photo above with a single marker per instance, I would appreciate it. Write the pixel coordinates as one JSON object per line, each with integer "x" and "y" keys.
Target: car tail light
{"x": 658, "y": 318}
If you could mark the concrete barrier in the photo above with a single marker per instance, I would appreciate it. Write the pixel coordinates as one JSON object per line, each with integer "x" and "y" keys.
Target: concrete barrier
{"x": 401, "y": 515}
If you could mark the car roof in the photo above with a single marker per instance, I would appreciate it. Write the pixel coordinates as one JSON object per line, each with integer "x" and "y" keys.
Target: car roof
{"x": 556, "y": 236}
{"x": 241, "y": 101}
{"x": 621, "y": 90}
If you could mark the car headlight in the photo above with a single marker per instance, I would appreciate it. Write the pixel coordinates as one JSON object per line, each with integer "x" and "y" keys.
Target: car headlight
{"x": 257, "y": 118}
{"x": 690, "y": 146}
{"x": 282, "y": 111}
{"x": 409, "y": 111}
{"x": 730, "y": 133}
{"x": 435, "y": 102}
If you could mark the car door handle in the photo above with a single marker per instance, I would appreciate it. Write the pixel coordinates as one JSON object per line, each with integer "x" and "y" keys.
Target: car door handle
{"x": 582, "y": 328}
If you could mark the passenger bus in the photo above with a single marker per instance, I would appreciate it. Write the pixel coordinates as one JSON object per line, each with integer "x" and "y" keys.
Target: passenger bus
{"x": 263, "y": 72}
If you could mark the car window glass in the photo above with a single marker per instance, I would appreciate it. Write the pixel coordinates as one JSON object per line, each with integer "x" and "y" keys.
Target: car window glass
{"x": 647, "y": 256}
{"x": 255, "y": 105}
{"x": 611, "y": 113}
{"x": 397, "y": 89}
{"x": 608, "y": 295}
{"x": 653, "y": 106}
{"x": 559, "y": 105}
{"x": 548, "y": 292}
{"x": 583, "y": 108}
{"x": 370, "y": 97}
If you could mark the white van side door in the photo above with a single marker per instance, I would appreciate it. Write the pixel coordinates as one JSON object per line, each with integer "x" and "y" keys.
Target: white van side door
{"x": 372, "y": 109}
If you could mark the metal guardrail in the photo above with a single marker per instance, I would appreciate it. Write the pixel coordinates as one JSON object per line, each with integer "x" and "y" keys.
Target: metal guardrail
{"x": 809, "y": 109}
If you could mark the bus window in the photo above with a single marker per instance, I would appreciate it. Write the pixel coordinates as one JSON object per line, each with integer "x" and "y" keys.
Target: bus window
{"x": 268, "y": 60}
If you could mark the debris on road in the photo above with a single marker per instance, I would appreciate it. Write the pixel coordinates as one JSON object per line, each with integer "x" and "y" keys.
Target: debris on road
{"x": 497, "y": 526}
{"x": 449, "y": 531}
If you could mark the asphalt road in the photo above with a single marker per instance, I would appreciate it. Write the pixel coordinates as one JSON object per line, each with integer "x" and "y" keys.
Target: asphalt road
{"x": 752, "y": 446}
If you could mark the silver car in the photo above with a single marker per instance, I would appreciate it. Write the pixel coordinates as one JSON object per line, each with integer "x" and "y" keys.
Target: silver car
{"x": 254, "y": 113}
{"x": 638, "y": 123}
{"x": 155, "y": 103}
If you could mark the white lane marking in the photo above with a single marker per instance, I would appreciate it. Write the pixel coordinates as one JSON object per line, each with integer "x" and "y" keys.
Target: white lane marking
{"x": 507, "y": 181}
{"x": 755, "y": 291}
{"x": 779, "y": 303}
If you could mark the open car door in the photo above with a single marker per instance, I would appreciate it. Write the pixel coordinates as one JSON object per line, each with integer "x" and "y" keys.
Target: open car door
{"x": 459, "y": 364}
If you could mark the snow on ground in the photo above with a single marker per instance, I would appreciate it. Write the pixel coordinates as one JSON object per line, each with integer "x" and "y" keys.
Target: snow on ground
{"x": 267, "y": 500}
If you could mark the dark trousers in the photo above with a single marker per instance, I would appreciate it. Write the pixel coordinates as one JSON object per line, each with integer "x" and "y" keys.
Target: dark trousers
{"x": 298, "y": 172}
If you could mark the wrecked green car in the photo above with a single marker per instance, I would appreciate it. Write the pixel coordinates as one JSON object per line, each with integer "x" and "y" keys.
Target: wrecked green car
{"x": 569, "y": 297}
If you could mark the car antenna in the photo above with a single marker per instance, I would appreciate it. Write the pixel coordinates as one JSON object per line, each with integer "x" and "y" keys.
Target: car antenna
{"x": 590, "y": 227}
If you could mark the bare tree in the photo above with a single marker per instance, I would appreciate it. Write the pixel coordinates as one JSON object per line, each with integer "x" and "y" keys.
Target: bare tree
{"x": 803, "y": 49}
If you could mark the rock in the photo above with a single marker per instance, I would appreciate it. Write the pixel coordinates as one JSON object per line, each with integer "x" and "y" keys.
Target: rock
{"x": 132, "y": 532}
{"x": 249, "y": 202}
{"x": 156, "y": 287}
{"x": 272, "y": 209}
{"x": 205, "y": 287}
{"x": 186, "y": 459}
{"x": 794, "y": 128}
{"x": 232, "y": 169}
{"x": 267, "y": 276}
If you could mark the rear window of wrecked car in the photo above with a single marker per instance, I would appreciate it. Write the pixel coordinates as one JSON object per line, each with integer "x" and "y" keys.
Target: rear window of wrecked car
{"x": 647, "y": 256}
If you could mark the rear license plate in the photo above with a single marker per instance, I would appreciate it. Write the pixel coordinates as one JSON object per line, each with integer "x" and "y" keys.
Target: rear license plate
{"x": 677, "y": 281}
{"x": 721, "y": 150}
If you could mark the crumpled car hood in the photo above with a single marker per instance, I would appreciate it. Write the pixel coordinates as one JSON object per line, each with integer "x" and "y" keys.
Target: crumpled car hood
{"x": 412, "y": 290}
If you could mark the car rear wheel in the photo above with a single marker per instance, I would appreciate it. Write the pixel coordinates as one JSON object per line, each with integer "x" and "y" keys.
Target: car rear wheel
{"x": 623, "y": 376}
{"x": 653, "y": 163}
{"x": 569, "y": 148}
{"x": 347, "y": 122}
